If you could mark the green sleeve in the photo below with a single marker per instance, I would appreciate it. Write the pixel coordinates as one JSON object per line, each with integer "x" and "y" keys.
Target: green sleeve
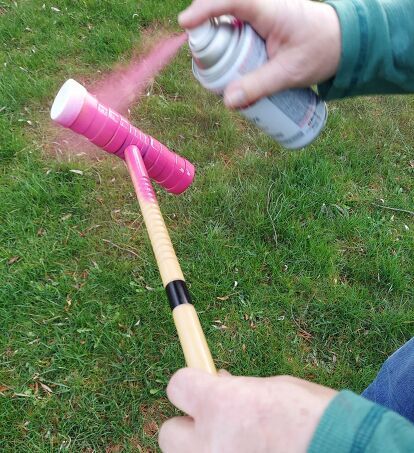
{"x": 353, "y": 424}
{"x": 377, "y": 54}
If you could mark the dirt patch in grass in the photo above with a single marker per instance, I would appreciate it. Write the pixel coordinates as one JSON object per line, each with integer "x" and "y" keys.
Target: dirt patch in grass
{"x": 153, "y": 416}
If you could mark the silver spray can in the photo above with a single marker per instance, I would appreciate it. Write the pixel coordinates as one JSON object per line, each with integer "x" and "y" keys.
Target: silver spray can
{"x": 225, "y": 49}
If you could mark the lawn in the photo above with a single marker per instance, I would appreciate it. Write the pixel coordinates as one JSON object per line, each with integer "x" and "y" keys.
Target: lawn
{"x": 295, "y": 263}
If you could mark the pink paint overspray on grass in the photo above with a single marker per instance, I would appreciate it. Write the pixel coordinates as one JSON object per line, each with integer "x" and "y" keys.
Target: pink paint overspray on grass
{"x": 121, "y": 88}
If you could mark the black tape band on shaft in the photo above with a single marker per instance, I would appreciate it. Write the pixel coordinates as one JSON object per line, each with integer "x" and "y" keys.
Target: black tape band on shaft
{"x": 177, "y": 293}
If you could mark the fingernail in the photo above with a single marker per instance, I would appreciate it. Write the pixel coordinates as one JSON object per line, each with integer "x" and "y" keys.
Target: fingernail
{"x": 236, "y": 98}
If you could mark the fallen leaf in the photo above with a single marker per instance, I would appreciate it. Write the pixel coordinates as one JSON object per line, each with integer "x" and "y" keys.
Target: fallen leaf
{"x": 305, "y": 335}
{"x": 220, "y": 325}
{"x": 3, "y": 388}
{"x": 114, "y": 449}
{"x": 93, "y": 227}
{"x": 13, "y": 260}
{"x": 23, "y": 395}
{"x": 77, "y": 172}
{"x": 223, "y": 298}
{"x": 83, "y": 330}
{"x": 151, "y": 429}
{"x": 41, "y": 232}
{"x": 56, "y": 10}
{"x": 68, "y": 304}
{"x": 135, "y": 444}
{"x": 35, "y": 387}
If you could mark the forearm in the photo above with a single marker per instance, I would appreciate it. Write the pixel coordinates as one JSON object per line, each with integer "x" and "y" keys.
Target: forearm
{"x": 377, "y": 54}
{"x": 352, "y": 423}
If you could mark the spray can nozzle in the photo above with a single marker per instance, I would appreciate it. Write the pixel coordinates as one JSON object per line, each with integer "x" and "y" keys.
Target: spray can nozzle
{"x": 199, "y": 37}
{"x": 211, "y": 40}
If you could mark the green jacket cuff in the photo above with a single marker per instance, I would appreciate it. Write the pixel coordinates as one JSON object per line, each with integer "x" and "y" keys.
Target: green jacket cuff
{"x": 347, "y": 425}
{"x": 352, "y": 52}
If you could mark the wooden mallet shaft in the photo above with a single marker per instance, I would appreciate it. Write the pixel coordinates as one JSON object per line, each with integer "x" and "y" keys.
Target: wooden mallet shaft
{"x": 192, "y": 339}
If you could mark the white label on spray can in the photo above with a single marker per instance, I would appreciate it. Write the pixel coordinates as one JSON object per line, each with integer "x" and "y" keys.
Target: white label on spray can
{"x": 293, "y": 117}
{"x": 299, "y": 107}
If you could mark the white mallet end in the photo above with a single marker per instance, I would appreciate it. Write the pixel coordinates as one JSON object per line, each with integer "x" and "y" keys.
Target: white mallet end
{"x": 68, "y": 103}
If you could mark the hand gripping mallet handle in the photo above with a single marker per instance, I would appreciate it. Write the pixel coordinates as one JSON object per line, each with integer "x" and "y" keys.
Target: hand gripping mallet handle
{"x": 192, "y": 339}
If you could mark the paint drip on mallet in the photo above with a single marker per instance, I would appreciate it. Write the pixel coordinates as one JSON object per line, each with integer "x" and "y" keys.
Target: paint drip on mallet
{"x": 225, "y": 49}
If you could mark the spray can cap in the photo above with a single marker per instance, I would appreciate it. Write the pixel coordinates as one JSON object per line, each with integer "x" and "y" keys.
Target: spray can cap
{"x": 209, "y": 41}
{"x": 68, "y": 103}
{"x": 200, "y": 37}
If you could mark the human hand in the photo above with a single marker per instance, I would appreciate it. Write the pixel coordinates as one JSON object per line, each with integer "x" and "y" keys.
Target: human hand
{"x": 303, "y": 40}
{"x": 242, "y": 414}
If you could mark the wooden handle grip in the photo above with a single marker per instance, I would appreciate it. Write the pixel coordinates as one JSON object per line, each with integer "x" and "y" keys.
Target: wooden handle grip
{"x": 192, "y": 339}
{"x": 160, "y": 239}
{"x": 161, "y": 243}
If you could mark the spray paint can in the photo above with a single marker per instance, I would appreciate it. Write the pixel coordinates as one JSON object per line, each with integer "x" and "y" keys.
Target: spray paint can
{"x": 225, "y": 49}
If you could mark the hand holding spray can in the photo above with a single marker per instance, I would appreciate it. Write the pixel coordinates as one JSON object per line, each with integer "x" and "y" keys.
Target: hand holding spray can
{"x": 225, "y": 49}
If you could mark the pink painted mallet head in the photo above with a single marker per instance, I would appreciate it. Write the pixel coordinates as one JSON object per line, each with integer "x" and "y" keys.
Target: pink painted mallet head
{"x": 76, "y": 109}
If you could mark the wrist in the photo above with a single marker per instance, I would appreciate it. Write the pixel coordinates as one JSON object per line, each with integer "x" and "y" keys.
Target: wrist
{"x": 326, "y": 38}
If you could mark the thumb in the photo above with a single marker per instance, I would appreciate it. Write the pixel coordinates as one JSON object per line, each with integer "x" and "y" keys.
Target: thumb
{"x": 189, "y": 389}
{"x": 266, "y": 80}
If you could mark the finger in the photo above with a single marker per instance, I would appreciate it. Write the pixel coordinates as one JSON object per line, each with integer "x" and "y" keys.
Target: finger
{"x": 201, "y": 10}
{"x": 266, "y": 80}
{"x": 177, "y": 435}
{"x": 189, "y": 389}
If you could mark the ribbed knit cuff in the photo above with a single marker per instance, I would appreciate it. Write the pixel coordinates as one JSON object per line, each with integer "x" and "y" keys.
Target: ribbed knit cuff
{"x": 347, "y": 425}
{"x": 354, "y": 44}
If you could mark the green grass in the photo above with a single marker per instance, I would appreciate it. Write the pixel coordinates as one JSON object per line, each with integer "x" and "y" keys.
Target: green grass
{"x": 324, "y": 276}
